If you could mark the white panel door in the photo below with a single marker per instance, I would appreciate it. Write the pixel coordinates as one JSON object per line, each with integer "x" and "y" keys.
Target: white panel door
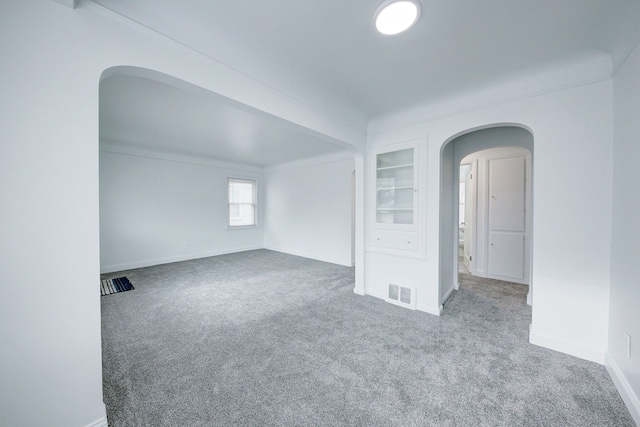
{"x": 507, "y": 218}
{"x": 506, "y": 256}
{"x": 506, "y": 194}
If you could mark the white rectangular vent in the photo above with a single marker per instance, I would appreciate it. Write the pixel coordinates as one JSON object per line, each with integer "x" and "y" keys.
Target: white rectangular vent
{"x": 402, "y": 295}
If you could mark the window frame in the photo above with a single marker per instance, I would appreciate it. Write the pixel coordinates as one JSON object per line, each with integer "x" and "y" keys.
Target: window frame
{"x": 254, "y": 202}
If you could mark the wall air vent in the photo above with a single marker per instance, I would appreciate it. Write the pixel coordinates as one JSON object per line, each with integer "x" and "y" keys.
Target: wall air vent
{"x": 402, "y": 295}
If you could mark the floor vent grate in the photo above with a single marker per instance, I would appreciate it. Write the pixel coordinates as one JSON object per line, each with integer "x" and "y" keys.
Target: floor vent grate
{"x": 401, "y": 294}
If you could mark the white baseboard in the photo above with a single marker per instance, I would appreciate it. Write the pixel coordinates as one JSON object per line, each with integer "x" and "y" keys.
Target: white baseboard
{"x": 100, "y": 422}
{"x": 629, "y": 397}
{"x": 318, "y": 257}
{"x": 437, "y": 311}
{"x": 448, "y": 294}
{"x": 176, "y": 258}
{"x": 569, "y": 347}
{"x": 375, "y": 295}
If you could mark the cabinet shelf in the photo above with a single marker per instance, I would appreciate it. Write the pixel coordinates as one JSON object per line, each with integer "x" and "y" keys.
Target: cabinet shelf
{"x": 408, "y": 187}
{"x": 394, "y": 167}
{"x": 395, "y": 195}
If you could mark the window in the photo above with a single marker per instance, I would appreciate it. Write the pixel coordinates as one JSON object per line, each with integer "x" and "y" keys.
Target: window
{"x": 242, "y": 202}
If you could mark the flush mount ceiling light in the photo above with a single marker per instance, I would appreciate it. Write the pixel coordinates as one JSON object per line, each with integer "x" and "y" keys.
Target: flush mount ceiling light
{"x": 396, "y": 16}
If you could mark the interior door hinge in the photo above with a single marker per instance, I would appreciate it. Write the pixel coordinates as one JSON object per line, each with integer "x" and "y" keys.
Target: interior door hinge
{"x": 470, "y": 257}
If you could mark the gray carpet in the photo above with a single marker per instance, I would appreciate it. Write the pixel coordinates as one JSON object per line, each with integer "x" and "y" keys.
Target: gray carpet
{"x": 267, "y": 339}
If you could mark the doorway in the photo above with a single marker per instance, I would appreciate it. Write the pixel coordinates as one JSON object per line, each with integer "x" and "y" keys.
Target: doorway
{"x": 494, "y": 214}
{"x": 479, "y": 232}
{"x": 466, "y": 210}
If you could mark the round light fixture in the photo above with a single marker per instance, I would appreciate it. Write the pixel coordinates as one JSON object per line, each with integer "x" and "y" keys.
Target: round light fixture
{"x": 396, "y": 16}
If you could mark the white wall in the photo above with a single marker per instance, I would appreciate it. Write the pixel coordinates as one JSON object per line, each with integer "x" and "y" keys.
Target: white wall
{"x": 53, "y": 58}
{"x": 151, "y": 205}
{"x": 625, "y": 242}
{"x": 308, "y": 209}
{"x": 572, "y": 131}
{"x": 448, "y": 273}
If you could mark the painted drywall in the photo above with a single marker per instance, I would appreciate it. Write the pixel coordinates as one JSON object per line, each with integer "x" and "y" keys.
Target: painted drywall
{"x": 572, "y": 131}
{"x": 308, "y": 209}
{"x": 448, "y": 221}
{"x": 53, "y": 58}
{"x": 625, "y": 240}
{"x": 50, "y": 312}
{"x": 155, "y": 210}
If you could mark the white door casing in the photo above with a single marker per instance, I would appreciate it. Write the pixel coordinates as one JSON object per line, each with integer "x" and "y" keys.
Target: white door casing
{"x": 471, "y": 191}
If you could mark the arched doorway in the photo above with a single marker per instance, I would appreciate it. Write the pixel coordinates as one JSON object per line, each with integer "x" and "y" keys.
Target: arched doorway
{"x": 455, "y": 149}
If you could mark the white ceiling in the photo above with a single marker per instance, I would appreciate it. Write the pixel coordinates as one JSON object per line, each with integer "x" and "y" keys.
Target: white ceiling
{"x": 148, "y": 114}
{"x": 329, "y": 49}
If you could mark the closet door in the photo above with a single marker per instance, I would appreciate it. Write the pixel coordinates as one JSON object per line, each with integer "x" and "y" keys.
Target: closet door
{"x": 507, "y": 218}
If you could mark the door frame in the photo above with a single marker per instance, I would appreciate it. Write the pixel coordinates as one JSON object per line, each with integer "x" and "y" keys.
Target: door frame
{"x": 470, "y": 216}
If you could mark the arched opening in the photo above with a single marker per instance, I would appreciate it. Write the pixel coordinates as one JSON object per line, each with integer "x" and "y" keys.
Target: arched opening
{"x": 493, "y": 143}
{"x": 165, "y": 213}
{"x": 145, "y": 114}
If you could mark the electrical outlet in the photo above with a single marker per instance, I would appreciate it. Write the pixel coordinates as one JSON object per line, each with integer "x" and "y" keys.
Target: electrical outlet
{"x": 185, "y": 245}
{"x": 627, "y": 341}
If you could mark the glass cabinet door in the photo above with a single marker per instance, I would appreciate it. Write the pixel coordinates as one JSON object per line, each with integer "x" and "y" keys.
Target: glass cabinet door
{"x": 395, "y": 187}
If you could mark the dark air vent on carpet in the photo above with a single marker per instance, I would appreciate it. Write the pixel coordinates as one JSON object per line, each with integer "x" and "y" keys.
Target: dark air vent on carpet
{"x": 112, "y": 286}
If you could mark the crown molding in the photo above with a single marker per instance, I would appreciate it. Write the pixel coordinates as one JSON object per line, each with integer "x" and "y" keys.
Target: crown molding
{"x": 626, "y": 55}
{"x": 481, "y": 106}
{"x": 170, "y": 156}
{"x": 311, "y": 161}
{"x": 69, "y": 3}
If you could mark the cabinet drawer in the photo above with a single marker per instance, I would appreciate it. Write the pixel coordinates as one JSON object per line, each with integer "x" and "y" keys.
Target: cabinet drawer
{"x": 407, "y": 241}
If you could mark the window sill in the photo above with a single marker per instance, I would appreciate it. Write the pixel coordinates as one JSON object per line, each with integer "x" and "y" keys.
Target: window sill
{"x": 241, "y": 227}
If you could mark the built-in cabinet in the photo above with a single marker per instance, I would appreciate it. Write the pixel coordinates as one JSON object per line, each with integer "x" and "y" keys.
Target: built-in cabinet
{"x": 394, "y": 223}
{"x": 395, "y": 191}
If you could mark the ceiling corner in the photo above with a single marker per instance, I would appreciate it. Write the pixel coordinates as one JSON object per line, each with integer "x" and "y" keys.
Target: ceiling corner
{"x": 69, "y": 3}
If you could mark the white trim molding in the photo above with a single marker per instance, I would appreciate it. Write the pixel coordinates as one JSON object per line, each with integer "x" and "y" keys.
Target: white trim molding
{"x": 318, "y": 257}
{"x": 624, "y": 388}
{"x": 448, "y": 295}
{"x": 151, "y": 153}
{"x": 71, "y": 4}
{"x": 176, "y": 258}
{"x": 311, "y": 161}
{"x": 569, "y": 347}
{"x": 436, "y": 311}
{"x": 100, "y": 422}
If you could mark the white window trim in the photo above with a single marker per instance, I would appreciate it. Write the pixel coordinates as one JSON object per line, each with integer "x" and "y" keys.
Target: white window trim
{"x": 254, "y": 182}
